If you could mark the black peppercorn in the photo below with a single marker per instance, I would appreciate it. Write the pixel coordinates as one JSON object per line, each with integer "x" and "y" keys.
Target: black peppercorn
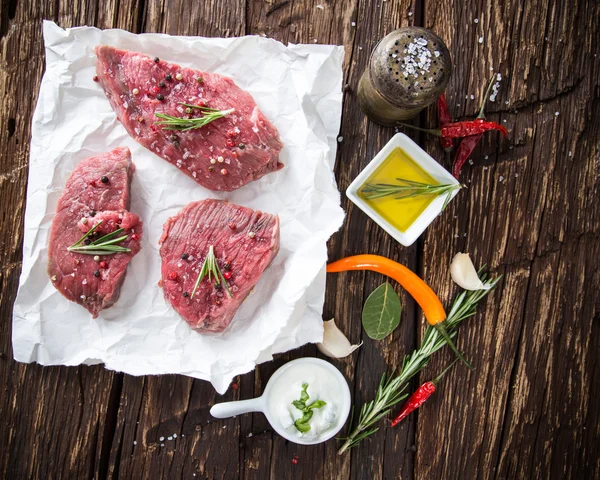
{"x": 242, "y": 146}
{"x": 176, "y": 144}
{"x": 169, "y": 77}
{"x": 156, "y": 59}
{"x": 184, "y": 256}
{"x": 173, "y": 138}
{"x": 186, "y": 294}
{"x": 160, "y": 96}
{"x": 87, "y": 241}
{"x": 93, "y": 213}
{"x": 96, "y": 273}
{"x": 104, "y": 179}
{"x": 161, "y": 84}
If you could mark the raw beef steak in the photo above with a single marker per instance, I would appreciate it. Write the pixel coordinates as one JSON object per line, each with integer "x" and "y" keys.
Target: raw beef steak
{"x": 244, "y": 241}
{"x": 222, "y": 155}
{"x": 97, "y": 192}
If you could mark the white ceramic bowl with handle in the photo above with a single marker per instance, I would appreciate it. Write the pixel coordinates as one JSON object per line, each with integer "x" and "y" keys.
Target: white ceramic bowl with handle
{"x": 427, "y": 163}
{"x": 261, "y": 404}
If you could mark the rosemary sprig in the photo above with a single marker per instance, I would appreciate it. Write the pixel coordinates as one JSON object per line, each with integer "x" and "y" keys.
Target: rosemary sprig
{"x": 211, "y": 269}
{"x": 184, "y": 124}
{"x": 392, "y": 388}
{"x": 106, "y": 245}
{"x": 409, "y": 189}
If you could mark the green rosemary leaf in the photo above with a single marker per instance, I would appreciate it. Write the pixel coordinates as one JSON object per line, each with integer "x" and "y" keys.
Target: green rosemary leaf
{"x": 169, "y": 122}
{"x": 108, "y": 236}
{"x": 93, "y": 250}
{"x": 408, "y": 189}
{"x": 109, "y": 242}
{"x": 210, "y": 268}
{"x": 105, "y": 245}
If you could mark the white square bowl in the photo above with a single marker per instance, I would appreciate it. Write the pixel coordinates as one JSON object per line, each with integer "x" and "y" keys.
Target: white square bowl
{"x": 428, "y": 164}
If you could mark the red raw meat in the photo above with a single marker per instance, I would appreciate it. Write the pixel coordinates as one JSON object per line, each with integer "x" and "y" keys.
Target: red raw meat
{"x": 86, "y": 197}
{"x": 222, "y": 155}
{"x": 245, "y": 241}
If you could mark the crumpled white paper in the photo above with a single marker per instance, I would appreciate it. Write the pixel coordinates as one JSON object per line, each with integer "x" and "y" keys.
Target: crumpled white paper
{"x": 299, "y": 89}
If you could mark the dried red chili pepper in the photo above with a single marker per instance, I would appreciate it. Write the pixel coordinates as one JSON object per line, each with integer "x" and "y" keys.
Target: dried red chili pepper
{"x": 444, "y": 118}
{"x": 443, "y": 112}
{"x": 464, "y": 150}
{"x": 462, "y": 129}
{"x": 420, "y": 396}
{"x": 471, "y": 127}
{"x": 468, "y": 144}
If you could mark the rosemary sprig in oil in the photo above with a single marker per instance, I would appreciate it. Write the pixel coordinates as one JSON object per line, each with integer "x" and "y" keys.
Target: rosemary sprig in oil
{"x": 106, "y": 245}
{"x": 210, "y": 268}
{"x": 409, "y": 189}
{"x": 392, "y": 387}
{"x": 184, "y": 124}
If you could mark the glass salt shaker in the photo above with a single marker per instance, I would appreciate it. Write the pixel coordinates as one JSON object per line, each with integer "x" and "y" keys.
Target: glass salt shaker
{"x": 408, "y": 69}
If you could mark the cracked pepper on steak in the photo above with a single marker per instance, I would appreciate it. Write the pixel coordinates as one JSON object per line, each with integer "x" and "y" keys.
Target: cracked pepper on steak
{"x": 222, "y": 155}
{"x": 245, "y": 242}
{"x": 97, "y": 189}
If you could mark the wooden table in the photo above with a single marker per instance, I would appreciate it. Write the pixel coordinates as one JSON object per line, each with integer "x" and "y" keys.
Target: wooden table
{"x": 531, "y": 212}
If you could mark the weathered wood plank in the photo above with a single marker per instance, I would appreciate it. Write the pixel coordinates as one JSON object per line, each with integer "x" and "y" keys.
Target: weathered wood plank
{"x": 523, "y": 412}
{"x": 58, "y": 421}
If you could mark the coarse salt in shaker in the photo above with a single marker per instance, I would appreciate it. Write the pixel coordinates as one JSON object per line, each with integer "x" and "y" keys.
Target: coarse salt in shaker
{"x": 408, "y": 69}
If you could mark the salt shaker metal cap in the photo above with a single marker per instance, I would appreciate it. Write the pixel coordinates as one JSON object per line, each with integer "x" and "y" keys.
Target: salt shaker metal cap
{"x": 408, "y": 69}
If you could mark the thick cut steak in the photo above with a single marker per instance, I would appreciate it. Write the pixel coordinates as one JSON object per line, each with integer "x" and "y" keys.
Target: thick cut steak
{"x": 96, "y": 192}
{"x": 222, "y": 155}
{"x": 244, "y": 241}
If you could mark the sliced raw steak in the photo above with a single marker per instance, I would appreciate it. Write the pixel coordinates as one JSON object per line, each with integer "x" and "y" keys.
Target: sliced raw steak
{"x": 97, "y": 190}
{"x": 244, "y": 240}
{"x": 222, "y": 155}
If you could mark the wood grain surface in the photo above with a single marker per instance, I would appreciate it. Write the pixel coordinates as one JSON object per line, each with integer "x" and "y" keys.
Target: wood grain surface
{"x": 531, "y": 212}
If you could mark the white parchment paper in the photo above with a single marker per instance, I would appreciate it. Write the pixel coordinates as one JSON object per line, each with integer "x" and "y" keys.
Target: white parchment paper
{"x": 299, "y": 89}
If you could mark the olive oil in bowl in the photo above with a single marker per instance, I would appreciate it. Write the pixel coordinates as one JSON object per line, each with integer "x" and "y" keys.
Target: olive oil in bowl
{"x": 403, "y": 189}
{"x": 401, "y": 213}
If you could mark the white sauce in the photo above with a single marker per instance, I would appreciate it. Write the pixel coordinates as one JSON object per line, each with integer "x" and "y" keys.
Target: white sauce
{"x": 322, "y": 385}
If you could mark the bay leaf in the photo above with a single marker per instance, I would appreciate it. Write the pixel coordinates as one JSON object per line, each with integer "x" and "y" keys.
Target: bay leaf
{"x": 381, "y": 312}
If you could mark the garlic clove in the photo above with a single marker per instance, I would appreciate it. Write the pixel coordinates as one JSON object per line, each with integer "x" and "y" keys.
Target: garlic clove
{"x": 335, "y": 344}
{"x": 463, "y": 273}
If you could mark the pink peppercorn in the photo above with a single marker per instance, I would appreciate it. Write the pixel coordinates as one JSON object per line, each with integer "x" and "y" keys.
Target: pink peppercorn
{"x": 223, "y": 171}
{"x": 103, "y": 264}
{"x": 227, "y": 275}
{"x": 172, "y": 275}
